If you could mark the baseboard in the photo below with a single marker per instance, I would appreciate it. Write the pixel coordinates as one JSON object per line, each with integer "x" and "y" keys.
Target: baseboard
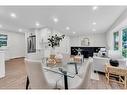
{"x": 2, "y": 76}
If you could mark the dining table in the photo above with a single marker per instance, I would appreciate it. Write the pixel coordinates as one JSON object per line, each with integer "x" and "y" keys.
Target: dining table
{"x": 66, "y": 69}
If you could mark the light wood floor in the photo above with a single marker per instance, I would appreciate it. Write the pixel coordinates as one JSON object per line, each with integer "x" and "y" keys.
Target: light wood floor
{"x": 16, "y": 77}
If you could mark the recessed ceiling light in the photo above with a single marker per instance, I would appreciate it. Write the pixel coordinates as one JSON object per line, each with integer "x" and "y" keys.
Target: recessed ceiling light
{"x": 95, "y": 8}
{"x": 20, "y": 30}
{"x": 37, "y": 24}
{"x": 13, "y": 15}
{"x": 93, "y": 29}
{"x": 94, "y": 23}
{"x": 67, "y": 28}
{"x": 55, "y": 19}
{"x": 1, "y": 26}
{"x": 73, "y": 32}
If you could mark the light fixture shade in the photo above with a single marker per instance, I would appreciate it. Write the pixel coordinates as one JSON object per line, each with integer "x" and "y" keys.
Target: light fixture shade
{"x": 94, "y": 23}
{"x": 13, "y": 15}
{"x": 1, "y": 26}
{"x": 67, "y": 28}
{"x": 37, "y": 24}
{"x": 95, "y": 8}
{"x": 55, "y": 19}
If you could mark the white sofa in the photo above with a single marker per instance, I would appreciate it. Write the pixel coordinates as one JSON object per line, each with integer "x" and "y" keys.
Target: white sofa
{"x": 99, "y": 62}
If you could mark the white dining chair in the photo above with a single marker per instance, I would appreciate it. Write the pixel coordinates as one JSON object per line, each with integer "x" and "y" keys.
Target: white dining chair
{"x": 37, "y": 78}
{"x": 80, "y": 82}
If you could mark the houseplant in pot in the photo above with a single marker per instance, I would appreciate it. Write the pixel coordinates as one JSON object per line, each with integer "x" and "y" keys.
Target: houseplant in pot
{"x": 54, "y": 41}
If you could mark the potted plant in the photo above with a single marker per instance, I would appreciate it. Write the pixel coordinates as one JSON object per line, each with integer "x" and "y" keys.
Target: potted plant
{"x": 54, "y": 41}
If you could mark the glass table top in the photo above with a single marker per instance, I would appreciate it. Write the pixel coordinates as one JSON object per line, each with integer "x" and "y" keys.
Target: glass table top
{"x": 68, "y": 68}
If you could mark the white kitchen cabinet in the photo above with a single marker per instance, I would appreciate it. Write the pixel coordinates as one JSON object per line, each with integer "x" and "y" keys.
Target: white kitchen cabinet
{"x": 2, "y": 64}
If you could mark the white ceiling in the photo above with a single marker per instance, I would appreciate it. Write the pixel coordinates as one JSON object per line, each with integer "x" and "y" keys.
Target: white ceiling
{"x": 78, "y": 18}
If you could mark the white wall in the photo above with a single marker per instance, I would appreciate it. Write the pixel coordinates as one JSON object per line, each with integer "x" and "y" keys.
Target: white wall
{"x": 96, "y": 40}
{"x": 15, "y": 45}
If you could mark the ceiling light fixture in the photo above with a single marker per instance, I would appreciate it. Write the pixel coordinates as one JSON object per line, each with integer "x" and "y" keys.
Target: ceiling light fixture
{"x": 13, "y": 15}
{"x": 67, "y": 28}
{"x": 37, "y": 24}
{"x": 94, "y": 23}
{"x": 20, "y": 30}
{"x": 73, "y": 32}
{"x": 55, "y": 19}
{"x": 95, "y": 8}
{"x": 1, "y": 26}
{"x": 93, "y": 29}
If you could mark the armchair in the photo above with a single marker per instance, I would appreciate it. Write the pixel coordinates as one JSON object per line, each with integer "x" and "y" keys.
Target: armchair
{"x": 99, "y": 63}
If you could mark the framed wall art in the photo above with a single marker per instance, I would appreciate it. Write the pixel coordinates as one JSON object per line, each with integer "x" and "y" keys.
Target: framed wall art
{"x": 85, "y": 42}
{"x": 31, "y": 44}
{"x": 3, "y": 40}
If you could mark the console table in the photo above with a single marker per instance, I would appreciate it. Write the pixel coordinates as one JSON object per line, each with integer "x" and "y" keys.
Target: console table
{"x": 85, "y": 51}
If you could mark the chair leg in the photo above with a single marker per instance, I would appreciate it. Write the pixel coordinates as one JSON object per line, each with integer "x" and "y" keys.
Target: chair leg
{"x": 27, "y": 83}
{"x": 125, "y": 80}
{"x": 108, "y": 77}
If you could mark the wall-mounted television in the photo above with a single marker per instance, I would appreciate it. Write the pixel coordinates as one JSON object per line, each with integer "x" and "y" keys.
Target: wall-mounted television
{"x": 3, "y": 40}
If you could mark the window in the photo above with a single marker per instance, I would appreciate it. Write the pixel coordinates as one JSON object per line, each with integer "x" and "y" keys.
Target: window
{"x": 124, "y": 43}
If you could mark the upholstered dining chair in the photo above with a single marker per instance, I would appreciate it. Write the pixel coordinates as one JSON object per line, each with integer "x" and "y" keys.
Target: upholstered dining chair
{"x": 37, "y": 77}
{"x": 80, "y": 82}
{"x": 83, "y": 82}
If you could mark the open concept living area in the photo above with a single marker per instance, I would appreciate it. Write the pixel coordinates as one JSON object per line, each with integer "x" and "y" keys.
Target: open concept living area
{"x": 63, "y": 47}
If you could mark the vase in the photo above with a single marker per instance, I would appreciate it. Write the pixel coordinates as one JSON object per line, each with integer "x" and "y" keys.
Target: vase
{"x": 52, "y": 52}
